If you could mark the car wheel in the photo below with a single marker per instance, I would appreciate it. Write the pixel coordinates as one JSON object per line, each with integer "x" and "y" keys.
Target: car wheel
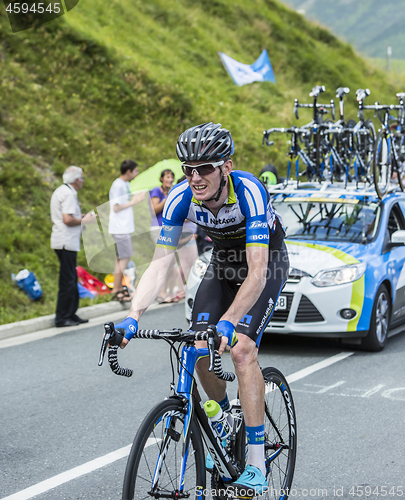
{"x": 380, "y": 321}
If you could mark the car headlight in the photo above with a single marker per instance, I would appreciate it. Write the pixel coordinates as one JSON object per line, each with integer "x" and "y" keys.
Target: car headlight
{"x": 199, "y": 268}
{"x": 340, "y": 275}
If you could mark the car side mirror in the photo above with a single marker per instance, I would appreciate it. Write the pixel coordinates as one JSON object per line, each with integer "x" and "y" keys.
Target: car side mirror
{"x": 398, "y": 237}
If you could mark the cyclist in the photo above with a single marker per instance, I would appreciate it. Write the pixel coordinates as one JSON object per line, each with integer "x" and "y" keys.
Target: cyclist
{"x": 248, "y": 269}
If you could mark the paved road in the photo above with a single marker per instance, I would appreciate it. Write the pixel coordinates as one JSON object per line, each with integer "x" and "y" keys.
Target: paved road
{"x": 60, "y": 412}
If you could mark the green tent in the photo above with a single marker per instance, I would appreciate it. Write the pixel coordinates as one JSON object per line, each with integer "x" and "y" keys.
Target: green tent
{"x": 150, "y": 177}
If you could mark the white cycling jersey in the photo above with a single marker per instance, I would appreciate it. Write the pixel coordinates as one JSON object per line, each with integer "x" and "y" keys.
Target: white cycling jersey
{"x": 246, "y": 218}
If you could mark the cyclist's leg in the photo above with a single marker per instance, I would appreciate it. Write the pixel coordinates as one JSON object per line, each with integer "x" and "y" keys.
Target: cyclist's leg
{"x": 244, "y": 355}
{"x": 211, "y": 301}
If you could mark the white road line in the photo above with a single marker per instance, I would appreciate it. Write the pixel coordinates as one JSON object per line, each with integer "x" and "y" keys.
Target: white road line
{"x": 67, "y": 476}
{"x": 100, "y": 462}
{"x": 317, "y": 366}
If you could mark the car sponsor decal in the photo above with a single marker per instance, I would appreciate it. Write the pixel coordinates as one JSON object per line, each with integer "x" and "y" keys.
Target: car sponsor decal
{"x": 357, "y": 299}
{"x": 317, "y": 199}
{"x": 356, "y": 303}
{"x": 343, "y": 256}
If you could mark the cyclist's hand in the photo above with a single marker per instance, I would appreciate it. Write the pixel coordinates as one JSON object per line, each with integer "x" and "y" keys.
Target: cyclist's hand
{"x": 128, "y": 329}
{"x": 228, "y": 335}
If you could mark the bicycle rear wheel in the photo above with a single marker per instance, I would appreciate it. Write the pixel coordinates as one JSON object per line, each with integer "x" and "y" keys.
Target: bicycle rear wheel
{"x": 364, "y": 144}
{"x": 382, "y": 165}
{"x": 280, "y": 429}
{"x": 154, "y": 463}
{"x": 399, "y": 145}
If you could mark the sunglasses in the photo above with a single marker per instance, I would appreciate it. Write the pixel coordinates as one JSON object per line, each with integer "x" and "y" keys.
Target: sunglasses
{"x": 205, "y": 169}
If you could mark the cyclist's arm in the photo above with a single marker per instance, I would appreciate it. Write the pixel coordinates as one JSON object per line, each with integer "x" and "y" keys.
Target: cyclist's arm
{"x": 151, "y": 282}
{"x": 155, "y": 276}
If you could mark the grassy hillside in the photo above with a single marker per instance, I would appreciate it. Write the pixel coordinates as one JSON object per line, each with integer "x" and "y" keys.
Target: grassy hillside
{"x": 397, "y": 67}
{"x": 370, "y": 25}
{"x": 107, "y": 82}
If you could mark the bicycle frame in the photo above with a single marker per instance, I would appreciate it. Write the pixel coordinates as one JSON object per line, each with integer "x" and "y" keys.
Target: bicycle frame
{"x": 295, "y": 152}
{"x": 187, "y": 391}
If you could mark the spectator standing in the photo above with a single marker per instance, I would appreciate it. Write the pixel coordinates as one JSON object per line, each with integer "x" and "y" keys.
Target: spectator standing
{"x": 65, "y": 240}
{"x": 121, "y": 224}
{"x": 158, "y": 197}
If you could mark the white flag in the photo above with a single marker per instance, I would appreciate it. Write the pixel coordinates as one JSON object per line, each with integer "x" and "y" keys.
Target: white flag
{"x": 242, "y": 74}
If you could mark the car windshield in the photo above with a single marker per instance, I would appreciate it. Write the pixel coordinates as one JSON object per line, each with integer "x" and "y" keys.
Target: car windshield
{"x": 327, "y": 219}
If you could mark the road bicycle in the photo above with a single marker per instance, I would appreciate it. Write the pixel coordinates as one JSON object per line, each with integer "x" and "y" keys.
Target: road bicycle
{"x": 360, "y": 140}
{"x": 311, "y": 139}
{"x": 167, "y": 456}
{"x": 330, "y": 152}
{"x": 347, "y": 149}
{"x": 296, "y": 152}
{"x": 304, "y": 139}
{"x": 389, "y": 147}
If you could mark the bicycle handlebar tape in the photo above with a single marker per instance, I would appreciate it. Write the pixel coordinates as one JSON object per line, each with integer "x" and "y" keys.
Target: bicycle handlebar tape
{"x": 227, "y": 329}
{"x": 219, "y": 371}
{"x": 130, "y": 326}
{"x": 113, "y": 361}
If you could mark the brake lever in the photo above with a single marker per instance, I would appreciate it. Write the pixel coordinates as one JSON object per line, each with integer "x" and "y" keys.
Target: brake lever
{"x": 112, "y": 337}
{"x": 213, "y": 341}
{"x": 210, "y": 344}
{"x": 266, "y": 135}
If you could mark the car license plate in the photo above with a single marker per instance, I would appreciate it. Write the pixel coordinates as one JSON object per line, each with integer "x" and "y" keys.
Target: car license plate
{"x": 281, "y": 303}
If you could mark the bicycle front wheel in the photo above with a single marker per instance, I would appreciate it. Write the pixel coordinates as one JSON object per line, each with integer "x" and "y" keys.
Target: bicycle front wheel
{"x": 382, "y": 164}
{"x": 154, "y": 466}
{"x": 280, "y": 428}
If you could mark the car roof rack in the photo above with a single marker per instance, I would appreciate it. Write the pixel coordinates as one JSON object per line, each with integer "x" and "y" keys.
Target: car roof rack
{"x": 364, "y": 190}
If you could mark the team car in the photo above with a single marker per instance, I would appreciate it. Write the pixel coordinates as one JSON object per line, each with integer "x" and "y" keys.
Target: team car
{"x": 347, "y": 255}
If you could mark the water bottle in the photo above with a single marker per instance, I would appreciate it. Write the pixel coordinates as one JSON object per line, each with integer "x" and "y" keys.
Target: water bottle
{"x": 221, "y": 422}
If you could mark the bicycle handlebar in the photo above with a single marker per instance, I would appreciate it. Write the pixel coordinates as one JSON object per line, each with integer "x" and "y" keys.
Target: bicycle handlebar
{"x": 291, "y": 130}
{"x": 380, "y": 107}
{"x": 112, "y": 338}
{"x": 312, "y": 105}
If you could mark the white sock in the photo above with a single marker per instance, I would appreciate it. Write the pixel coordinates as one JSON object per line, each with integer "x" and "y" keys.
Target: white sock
{"x": 256, "y": 456}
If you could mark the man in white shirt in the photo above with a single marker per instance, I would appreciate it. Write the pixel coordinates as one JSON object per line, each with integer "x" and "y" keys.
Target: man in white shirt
{"x": 65, "y": 240}
{"x": 121, "y": 224}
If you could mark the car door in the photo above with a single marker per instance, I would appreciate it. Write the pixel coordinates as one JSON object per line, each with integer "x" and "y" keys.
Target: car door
{"x": 396, "y": 260}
